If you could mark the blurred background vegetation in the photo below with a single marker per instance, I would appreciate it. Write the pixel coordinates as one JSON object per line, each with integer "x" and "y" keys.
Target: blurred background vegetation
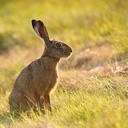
{"x": 97, "y": 30}
{"x": 76, "y": 22}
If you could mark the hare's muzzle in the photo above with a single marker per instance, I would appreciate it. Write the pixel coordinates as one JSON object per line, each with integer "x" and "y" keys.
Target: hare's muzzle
{"x": 68, "y": 52}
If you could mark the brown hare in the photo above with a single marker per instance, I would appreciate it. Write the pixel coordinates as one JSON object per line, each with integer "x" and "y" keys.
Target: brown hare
{"x": 33, "y": 85}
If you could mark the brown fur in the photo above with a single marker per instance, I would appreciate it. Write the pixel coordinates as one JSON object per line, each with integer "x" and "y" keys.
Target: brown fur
{"x": 33, "y": 85}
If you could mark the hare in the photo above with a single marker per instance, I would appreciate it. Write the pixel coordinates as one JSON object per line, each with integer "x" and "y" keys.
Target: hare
{"x": 35, "y": 82}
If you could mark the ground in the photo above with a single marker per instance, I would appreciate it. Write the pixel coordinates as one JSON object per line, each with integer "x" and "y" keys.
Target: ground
{"x": 92, "y": 90}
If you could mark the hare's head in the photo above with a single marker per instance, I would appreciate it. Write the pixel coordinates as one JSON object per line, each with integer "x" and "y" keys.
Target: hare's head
{"x": 55, "y": 49}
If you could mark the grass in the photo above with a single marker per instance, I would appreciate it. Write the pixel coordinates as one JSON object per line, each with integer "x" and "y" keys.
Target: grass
{"x": 92, "y": 105}
{"x": 92, "y": 20}
{"x": 80, "y": 100}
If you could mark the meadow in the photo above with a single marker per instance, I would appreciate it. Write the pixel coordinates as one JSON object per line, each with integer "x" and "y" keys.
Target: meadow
{"x": 94, "y": 94}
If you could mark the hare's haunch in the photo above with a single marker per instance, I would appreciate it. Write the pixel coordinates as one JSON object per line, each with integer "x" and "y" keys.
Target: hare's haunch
{"x": 33, "y": 85}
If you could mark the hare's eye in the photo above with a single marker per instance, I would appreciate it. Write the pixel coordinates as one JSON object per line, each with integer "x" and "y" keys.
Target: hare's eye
{"x": 58, "y": 45}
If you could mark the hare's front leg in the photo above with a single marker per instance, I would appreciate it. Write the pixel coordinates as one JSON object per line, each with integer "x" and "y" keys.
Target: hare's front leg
{"x": 41, "y": 104}
{"x": 47, "y": 102}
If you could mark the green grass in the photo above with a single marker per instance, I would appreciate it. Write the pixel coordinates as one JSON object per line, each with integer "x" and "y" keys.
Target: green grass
{"x": 7, "y": 76}
{"x": 92, "y": 105}
{"x": 78, "y": 22}
{"x": 80, "y": 100}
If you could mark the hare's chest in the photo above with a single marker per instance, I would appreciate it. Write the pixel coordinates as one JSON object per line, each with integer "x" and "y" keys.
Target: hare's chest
{"x": 51, "y": 77}
{"x": 49, "y": 80}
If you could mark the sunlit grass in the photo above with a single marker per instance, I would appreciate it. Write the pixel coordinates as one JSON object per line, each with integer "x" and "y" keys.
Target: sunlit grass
{"x": 103, "y": 107}
{"x": 7, "y": 76}
{"x": 79, "y": 101}
{"x": 78, "y": 22}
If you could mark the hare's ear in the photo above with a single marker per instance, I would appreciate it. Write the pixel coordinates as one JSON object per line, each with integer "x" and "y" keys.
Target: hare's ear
{"x": 41, "y": 31}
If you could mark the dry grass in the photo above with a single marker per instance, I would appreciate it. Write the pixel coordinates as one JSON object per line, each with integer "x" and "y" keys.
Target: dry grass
{"x": 92, "y": 90}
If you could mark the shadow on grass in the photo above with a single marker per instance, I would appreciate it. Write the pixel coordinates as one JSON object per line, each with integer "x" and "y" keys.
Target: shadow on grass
{"x": 3, "y": 47}
{"x": 5, "y": 118}
{"x": 9, "y": 41}
{"x": 10, "y": 116}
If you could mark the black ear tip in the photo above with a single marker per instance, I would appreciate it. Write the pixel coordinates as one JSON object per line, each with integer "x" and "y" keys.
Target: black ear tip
{"x": 40, "y": 22}
{"x": 34, "y": 22}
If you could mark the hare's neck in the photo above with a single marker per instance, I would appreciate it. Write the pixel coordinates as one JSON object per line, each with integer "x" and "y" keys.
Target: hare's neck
{"x": 49, "y": 61}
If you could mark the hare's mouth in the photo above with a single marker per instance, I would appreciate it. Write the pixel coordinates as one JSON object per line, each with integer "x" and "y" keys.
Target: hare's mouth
{"x": 67, "y": 54}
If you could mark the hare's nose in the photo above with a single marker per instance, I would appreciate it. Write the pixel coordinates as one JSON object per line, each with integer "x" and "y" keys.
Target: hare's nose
{"x": 70, "y": 50}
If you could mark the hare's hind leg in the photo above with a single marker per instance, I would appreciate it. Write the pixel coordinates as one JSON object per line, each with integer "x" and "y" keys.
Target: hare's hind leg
{"x": 18, "y": 102}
